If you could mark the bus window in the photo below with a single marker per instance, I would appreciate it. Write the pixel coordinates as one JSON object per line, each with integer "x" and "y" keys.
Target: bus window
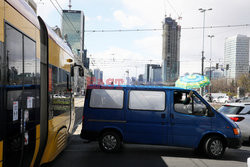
{"x": 14, "y": 55}
{"x": 29, "y": 61}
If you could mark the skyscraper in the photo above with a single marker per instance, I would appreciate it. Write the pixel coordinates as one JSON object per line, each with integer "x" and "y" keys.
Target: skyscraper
{"x": 152, "y": 73}
{"x": 155, "y": 73}
{"x": 73, "y": 30}
{"x": 170, "y": 51}
{"x": 236, "y": 55}
{"x": 98, "y": 76}
{"x": 72, "y": 26}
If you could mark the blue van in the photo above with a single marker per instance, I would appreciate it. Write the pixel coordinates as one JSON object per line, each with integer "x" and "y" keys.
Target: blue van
{"x": 114, "y": 115}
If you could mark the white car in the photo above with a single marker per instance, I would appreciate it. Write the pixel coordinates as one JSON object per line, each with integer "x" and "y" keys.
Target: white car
{"x": 221, "y": 99}
{"x": 240, "y": 114}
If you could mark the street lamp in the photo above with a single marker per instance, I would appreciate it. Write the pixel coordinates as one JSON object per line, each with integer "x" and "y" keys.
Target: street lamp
{"x": 210, "y": 73}
{"x": 202, "y": 53}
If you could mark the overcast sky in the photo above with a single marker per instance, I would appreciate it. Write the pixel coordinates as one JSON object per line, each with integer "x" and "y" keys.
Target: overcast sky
{"x": 115, "y": 53}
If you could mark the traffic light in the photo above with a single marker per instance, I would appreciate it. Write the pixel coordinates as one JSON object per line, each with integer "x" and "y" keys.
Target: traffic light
{"x": 217, "y": 65}
{"x": 227, "y": 67}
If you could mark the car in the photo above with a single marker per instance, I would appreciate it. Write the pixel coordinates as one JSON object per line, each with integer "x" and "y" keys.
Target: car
{"x": 244, "y": 99}
{"x": 240, "y": 114}
{"x": 221, "y": 99}
{"x": 208, "y": 97}
{"x": 158, "y": 115}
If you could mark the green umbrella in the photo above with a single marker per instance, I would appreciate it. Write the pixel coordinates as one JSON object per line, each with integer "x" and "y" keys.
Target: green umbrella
{"x": 192, "y": 81}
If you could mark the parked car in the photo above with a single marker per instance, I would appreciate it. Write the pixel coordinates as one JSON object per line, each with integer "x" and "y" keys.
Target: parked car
{"x": 221, "y": 99}
{"x": 208, "y": 97}
{"x": 155, "y": 115}
{"x": 240, "y": 114}
{"x": 244, "y": 99}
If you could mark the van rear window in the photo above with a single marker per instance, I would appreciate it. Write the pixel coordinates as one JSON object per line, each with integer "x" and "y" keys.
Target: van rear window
{"x": 106, "y": 98}
{"x": 147, "y": 100}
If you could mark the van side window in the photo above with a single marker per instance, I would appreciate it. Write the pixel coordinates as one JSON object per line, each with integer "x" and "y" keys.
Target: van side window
{"x": 189, "y": 105}
{"x": 106, "y": 98}
{"x": 147, "y": 100}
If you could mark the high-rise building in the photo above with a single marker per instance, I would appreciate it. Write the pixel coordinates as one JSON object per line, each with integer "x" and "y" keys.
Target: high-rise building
{"x": 73, "y": 30}
{"x": 72, "y": 26}
{"x": 170, "y": 51}
{"x": 98, "y": 76}
{"x": 236, "y": 55}
{"x": 101, "y": 76}
{"x": 152, "y": 73}
{"x": 215, "y": 73}
{"x": 155, "y": 73}
{"x": 85, "y": 60}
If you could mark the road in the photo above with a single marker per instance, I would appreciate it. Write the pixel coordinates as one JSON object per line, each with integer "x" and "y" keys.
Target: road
{"x": 79, "y": 102}
{"x": 82, "y": 154}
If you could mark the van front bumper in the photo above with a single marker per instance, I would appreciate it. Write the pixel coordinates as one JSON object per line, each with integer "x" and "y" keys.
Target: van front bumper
{"x": 234, "y": 142}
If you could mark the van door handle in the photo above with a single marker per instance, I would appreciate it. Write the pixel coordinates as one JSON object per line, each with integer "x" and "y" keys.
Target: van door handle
{"x": 163, "y": 115}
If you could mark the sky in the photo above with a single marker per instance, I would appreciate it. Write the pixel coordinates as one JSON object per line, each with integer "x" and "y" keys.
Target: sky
{"x": 117, "y": 52}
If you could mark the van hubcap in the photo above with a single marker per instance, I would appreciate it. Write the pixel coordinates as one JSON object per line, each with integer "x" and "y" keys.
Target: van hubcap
{"x": 109, "y": 142}
{"x": 216, "y": 147}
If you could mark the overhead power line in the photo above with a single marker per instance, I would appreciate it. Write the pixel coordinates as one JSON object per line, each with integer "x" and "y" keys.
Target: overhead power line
{"x": 173, "y": 9}
{"x": 160, "y": 29}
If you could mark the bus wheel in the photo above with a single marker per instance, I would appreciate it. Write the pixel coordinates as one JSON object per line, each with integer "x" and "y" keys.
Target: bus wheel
{"x": 214, "y": 147}
{"x": 110, "y": 142}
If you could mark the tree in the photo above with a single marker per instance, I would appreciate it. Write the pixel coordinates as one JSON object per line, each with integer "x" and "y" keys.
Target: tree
{"x": 244, "y": 82}
{"x": 224, "y": 86}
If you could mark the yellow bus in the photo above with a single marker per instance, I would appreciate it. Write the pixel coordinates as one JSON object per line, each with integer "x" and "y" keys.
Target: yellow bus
{"x": 36, "y": 81}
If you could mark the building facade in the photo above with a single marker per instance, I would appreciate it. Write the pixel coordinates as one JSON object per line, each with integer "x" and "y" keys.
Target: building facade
{"x": 170, "y": 51}
{"x": 236, "y": 55}
{"x": 155, "y": 74}
{"x": 73, "y": 30}
{"x": 152, "y": 73}
{"x": 72, "y": 26}
{"x": 215, "y": 73}
{"x": 98, "y": 76}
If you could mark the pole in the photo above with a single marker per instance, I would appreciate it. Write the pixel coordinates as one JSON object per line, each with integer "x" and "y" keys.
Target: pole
{"x": 202, "y": 57}
{"x": 202, "y": 52}
{"x": 210, "y": 73}
{"x": 70, "y": 5}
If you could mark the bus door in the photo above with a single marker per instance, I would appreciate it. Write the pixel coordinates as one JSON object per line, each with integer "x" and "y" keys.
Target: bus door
{"x": 1, "y": 101}
{"x": 19, "y": 98}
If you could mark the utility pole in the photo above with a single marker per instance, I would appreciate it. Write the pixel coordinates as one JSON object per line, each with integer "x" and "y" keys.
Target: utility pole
{"x": 202, "y": 52}
{"x": 70, "y": 5}
{"x": 210, "y": 71}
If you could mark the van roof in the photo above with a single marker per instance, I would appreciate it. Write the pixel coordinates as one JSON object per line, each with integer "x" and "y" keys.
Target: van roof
{"x": 132, "y": 86}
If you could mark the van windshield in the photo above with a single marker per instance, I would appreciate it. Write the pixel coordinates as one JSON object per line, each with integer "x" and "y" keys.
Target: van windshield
{"x": 230, "y": 109}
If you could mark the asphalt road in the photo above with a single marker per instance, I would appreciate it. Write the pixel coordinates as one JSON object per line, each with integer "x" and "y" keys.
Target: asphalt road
{"x": 81, "y": 154}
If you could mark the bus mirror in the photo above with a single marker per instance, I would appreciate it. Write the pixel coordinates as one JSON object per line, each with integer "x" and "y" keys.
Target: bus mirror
{"x": 81, "y": 72}
{"x": 72, "y": 71}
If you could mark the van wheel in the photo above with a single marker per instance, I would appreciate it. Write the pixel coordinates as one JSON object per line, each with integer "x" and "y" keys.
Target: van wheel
{"x": 214, "y": 147}
{"x": 110, "y": 142}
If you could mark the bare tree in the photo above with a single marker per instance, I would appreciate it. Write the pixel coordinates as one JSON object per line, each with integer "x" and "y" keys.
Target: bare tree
{"x": 244, "y": 82}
